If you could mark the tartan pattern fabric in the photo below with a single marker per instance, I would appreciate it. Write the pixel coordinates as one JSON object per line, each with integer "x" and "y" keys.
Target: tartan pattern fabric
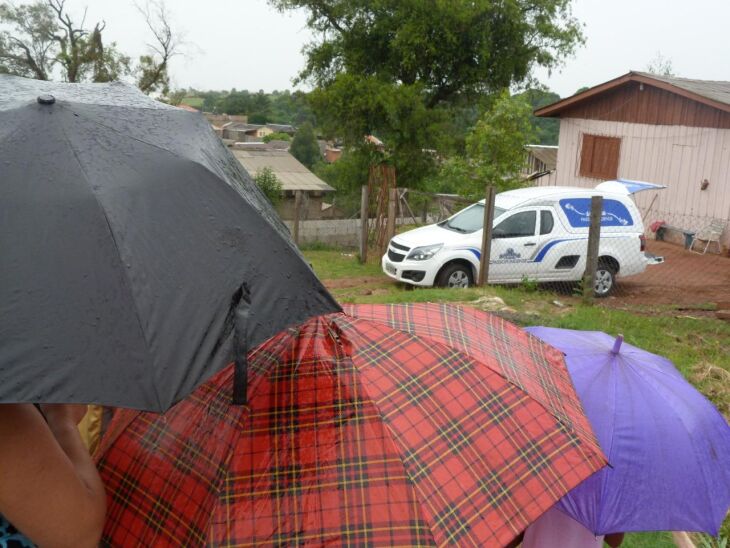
{"x": 355, "y": 434}
{"x": 162, "y": 472}
{"x": 501, "y": 458}
{"x": 524, "y": 360}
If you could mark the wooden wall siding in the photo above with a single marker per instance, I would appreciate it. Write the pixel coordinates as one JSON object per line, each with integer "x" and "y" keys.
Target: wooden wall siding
{"x": 678, "y": 156}
{"x": 651, "y": 106}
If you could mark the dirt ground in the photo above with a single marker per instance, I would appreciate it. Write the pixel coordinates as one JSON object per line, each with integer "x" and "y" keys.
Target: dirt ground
{"x": 684, "y": 278}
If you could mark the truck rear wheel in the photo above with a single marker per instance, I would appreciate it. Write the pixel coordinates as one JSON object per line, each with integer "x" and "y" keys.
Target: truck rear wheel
{"x": 455, "y": 275}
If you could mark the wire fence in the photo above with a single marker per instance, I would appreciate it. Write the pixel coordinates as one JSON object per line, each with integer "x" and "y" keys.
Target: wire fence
{"x": 651, "y": 256}
{"x": 656, "y": 258}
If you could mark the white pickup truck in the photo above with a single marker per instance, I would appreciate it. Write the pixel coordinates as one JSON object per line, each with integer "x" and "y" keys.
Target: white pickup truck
{"x": 539, "y": 233}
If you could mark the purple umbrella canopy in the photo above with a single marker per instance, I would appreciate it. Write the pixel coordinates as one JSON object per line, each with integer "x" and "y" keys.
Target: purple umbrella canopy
{"x": 668, "y": 447}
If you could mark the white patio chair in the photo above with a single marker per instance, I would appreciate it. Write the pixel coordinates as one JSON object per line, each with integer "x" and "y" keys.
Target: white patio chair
{"x": 710, "y": 234}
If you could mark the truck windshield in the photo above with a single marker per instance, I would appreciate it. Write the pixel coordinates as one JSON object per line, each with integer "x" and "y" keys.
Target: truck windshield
{"x": 469, "y": 219}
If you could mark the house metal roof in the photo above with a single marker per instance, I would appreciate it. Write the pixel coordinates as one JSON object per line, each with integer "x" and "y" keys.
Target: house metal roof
{"x": 283, "y": 128}
{"x": 292, "y": 173}
{"x": 717, "y": 90}
{"x": 709, "y": 92}
{"x": 548, "y": 155}
{"x": 241, "y": 126}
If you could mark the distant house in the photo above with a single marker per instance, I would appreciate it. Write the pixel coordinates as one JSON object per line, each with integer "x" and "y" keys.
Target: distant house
{"x": 281, "y": 128}
{"x": 674, "y": 131}
{"x": 541, "y": 164}
{"x": 245, "y": 132}
{"x": 221, "y": 119}
{"x": 292, "y": 174}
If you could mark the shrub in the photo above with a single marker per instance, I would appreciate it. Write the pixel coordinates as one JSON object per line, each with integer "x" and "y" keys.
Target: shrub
{"x": 269, "y": 184}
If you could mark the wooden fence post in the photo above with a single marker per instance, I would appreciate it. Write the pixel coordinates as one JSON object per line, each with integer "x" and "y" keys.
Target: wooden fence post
{"x": 364, "y": 215}
{"x": 297, "y": 215}
{"x": 390, "y": 226}
{"x": 594, "y": 238}
{"x": 486, "y": 236}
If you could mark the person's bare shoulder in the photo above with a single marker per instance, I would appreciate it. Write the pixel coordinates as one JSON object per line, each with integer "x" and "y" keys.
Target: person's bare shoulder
{"x": 40, "y": 491}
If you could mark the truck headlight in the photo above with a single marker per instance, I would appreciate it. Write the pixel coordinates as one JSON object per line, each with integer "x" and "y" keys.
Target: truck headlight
{"x": 424, "y": 253}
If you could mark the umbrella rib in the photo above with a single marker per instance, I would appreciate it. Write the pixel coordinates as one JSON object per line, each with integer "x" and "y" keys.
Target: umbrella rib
{"x": 466, "y": 352}
{"x": 605, "y": 473}
{"x": 583, "y": 444}
{"x": 366, "y": 396}
{"x": 706, "y": 490}
{"x": 126, "y": 276}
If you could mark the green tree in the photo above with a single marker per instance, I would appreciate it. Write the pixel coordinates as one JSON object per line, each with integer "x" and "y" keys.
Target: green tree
{"x": 42, "y": 35}
{"x": 546, "y": 129}
{"x": 399, "y": 68}
{"x": 42, "y": 38}
{"x": 269, "y": 184}
{"x": 304, "y": 146}
{"x": 350, "y": 172}
{"x": 495, "y": 150}
{"x": 235, "y": 102}
{"x": 153, "y": 68}
{"x": 257, "y": 118}
{"x": 28, "y": 48}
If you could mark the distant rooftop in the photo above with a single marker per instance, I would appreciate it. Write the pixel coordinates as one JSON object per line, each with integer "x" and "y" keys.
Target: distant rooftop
{"x": 547, "y": 154}
{"x": 292, "y": 173}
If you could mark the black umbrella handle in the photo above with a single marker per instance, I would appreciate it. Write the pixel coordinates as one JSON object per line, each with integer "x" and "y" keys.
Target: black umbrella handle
{"x": 240, "y": 371}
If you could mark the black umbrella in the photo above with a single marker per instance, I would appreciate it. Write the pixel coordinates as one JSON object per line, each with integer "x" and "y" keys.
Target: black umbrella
{"x": 136, "y": 256}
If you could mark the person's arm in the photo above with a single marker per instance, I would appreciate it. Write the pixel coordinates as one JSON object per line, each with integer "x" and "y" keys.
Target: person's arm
{"x": 49, "y": 487}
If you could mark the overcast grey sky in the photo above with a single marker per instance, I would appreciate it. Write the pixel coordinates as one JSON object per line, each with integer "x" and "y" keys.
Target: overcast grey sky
{"x": 246, "y": 44}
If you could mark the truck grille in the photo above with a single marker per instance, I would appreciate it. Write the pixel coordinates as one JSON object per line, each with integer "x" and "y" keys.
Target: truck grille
{"x": 395, "y": 257}
{"x": 399, "y": 246}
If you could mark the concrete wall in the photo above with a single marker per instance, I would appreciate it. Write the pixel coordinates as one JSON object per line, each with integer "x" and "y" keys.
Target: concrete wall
{"x": 335, "y": 232}
{"x": 678, "y": 156}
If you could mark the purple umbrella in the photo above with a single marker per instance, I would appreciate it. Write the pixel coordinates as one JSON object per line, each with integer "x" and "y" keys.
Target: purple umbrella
{"x": 668, "y": 447}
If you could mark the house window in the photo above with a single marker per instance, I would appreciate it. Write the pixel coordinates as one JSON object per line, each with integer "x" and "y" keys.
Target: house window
{"x": 599, "y": 156}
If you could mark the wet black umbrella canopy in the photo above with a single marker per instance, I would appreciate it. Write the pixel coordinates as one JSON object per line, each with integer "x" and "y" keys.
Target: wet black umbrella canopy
{"x": 137, "y": 258}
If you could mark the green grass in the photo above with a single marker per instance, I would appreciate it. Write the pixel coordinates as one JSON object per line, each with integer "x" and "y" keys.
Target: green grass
{"x": 648, "y": 540}
{"x": 195, "y": 102}
{"x": 698, "y": 346}
{"x": 335, "y": 264}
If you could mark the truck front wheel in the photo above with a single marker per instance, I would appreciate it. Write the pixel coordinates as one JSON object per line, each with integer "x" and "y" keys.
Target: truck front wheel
{"x": 604, "y": 280}
{"x": 455, "y": 275}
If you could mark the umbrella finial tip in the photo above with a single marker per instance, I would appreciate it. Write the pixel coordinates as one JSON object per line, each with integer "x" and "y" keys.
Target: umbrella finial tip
{"x": 617, "y": 344}
{"x": 46, "y": 99}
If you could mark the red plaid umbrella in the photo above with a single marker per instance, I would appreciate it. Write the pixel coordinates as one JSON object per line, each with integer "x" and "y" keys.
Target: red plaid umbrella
{"x": 420, "y": 425}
